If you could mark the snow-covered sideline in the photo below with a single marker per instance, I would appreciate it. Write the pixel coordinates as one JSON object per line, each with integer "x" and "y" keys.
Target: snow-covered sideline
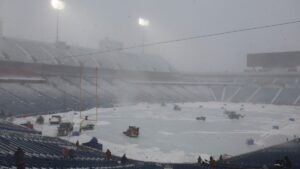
{"x": 176, "y": 136}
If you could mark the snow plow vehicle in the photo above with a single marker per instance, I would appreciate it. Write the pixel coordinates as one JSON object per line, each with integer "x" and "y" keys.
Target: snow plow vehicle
{"x": 233, "y": 115}
{"x": 132, "y": 131}
{"x": 64, "y": 129}
{"x": 201, "y": 118}
{"x": 88, "y": 127}
{"x": 177, "y": 107}
{"x": 55, "y": 120}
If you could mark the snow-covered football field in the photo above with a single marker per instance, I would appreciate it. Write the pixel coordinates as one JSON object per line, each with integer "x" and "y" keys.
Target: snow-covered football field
{"x": 176, "y": 136}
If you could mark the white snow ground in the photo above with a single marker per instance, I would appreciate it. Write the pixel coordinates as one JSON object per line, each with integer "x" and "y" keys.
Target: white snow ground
{"x": 176, "y": 136}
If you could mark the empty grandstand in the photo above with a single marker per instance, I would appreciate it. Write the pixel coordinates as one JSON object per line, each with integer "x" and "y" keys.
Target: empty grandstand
{"x": 42, "y": 85}
{"x": 43, "y": 78}
{"x": 47, "y": 152}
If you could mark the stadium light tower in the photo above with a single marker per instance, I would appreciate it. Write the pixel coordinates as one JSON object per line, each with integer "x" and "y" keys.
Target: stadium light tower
{"x": 143, "y": 23}
{"x": 58, "y": 5}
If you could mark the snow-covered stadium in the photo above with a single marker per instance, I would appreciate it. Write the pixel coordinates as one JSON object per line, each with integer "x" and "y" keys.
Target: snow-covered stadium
{"x": 39, "y": 78}
{"x": 172, "y": 84}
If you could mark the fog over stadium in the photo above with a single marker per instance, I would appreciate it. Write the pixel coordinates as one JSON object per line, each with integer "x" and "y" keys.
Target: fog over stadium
{"x": 85, "y": 23}
{"x": 156, "y": 84}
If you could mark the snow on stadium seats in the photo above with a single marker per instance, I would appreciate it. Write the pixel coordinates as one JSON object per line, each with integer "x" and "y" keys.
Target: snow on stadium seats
{"x": 25, "y": 95}
{"x": 13, "y": 52}
{"x": 287, "y": 96}
{"x": 11, "y": 105}
{"x": 218, "y": 91}
{"x": 286, "y": 81}
{"x": 166, "y": 92}
{"x": 229, "y": 92}
{"x": 46, "y": 152}
{"x": 205, "y": 95}
{"x": 63, "y": 92}
{"x": 6, "y": 126}
{"x": 244, "y": 94}
{"x": 265, "y": 95}
{"x": 36, "y": 51}
{"x": 268, "y": 156}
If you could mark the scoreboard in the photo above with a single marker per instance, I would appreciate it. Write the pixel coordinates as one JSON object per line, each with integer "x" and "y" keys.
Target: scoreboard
{"x": 274, "y": 60}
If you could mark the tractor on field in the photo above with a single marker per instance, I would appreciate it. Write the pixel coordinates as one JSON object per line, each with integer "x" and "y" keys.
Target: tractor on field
{"x": 177, "y": 107}
{"x": 64, "y": 129}
{"x": 201, "y": 118}
{"x": 132, "y": 131}
{"x": 55, "y": 120}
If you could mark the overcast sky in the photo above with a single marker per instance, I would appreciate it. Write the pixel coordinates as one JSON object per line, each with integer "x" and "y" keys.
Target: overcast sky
{"x": 85, "y": 22}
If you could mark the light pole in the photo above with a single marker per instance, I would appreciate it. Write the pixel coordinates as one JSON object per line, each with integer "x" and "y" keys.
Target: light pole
{"x": 143, "y": 23}
{"x": 58, "y": 5}
{"x": 81, "y": 105}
